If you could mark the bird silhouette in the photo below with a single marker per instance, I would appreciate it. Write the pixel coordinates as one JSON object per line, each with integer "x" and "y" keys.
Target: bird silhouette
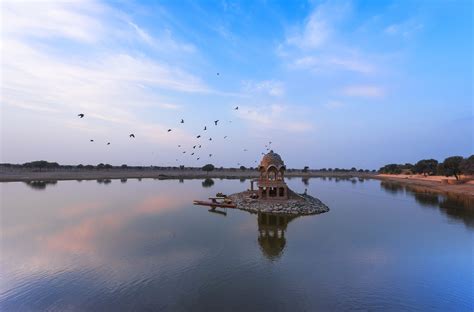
{"x": 198, "y": 158}
{"x": 192, "y": 153}
{"x": 80, "y": 115}
{"x": 194, "y": 146}
{"x": 179, "y": 145}
{"x": 210, "y": 139}
{"x": 198, "y": 136}
{"x": 245, "y": 149}
{"x": 225, "y": 137}
{"x": 182, "y": 120}
{"x": 169, "y": 130}
{"x": 108, "y": 143}
{"x": 205, "y": 128}
{"x": 199, "y": 146}
{"x": 132, "y": 135}
{"x": 184, "y": 152}
{"x": 210, "y": 155}
{"x": 216, "y": 121}
{"x": 236, "y": 108}
{"x": 217, "y": 74}
{"x": 92, "y": 140}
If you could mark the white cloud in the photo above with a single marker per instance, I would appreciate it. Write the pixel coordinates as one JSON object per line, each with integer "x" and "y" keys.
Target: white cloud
{"x": 367, "y": 91}
{"x": 333, "y": 104}
{"x": 270, "y": 87}
{"x": 107, "y": 84}
{"x": 273, "y": 117}
{"x": 404, "y": 29}
{"x": 331, "y": 63}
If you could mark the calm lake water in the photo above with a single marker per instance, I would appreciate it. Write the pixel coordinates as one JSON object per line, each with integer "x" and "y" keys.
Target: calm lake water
{"x": 142, "y": 245}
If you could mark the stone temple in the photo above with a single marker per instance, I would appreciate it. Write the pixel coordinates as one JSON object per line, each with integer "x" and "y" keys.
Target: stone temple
{"x": 272, "y": 195}
{"x": 271, "y": 183}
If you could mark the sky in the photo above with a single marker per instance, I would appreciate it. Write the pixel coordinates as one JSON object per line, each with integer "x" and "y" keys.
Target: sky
{"x": 329, "y": 83}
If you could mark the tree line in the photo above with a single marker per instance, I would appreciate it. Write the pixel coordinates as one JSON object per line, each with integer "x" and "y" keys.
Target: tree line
{"x": 451, "y": 166}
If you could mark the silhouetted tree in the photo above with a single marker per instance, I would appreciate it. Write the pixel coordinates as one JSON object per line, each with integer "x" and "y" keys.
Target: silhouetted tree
{"x": 242, "y": 168}
{"x": 305, "y": 169}
{"x": 467, "y": 165}
{"x": 208, "y": 168}
{"x": 426, "y": 167}
{"x": 451, "y": 166}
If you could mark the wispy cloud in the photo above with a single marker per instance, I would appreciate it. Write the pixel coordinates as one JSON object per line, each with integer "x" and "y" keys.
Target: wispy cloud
{"x": 273, "y": 117}
{"x": 405, "y": 29}
{"x": 270, "y": 87}
{"x": 367, "y": 91}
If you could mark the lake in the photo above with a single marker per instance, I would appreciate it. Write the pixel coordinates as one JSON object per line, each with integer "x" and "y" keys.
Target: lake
{"x": 113, "y": 245}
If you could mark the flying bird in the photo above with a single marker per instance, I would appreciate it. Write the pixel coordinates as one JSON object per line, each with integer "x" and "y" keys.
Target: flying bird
{"x": 184, "y": 152}
{"x": 199, "y": 146}
{"x": 179, "y": 145}
{"x": 108, "y": 143}
{"x": 80, "y": 115}
{"x": 92, "y": 140}
{"x": 225, "y": 137}
{"x": 198, "y": 158}
{"x": 192, "y": 153}
{"x": 182, "y": 120}
{"x": 194, "y": 146}
{"x": 210, "y": 139}
{"x": 217, "y": 74}
{"x": 245, "y": 149}
{"x": 236, "y": 108}
{"x": 216, "y": 121}
{"x": 132, "y": 135}
{"x": 205, "y": 128}
{"x": 169, "y": 130}
{"x": 198, "y": 136}
{"x": 210, "y": 155}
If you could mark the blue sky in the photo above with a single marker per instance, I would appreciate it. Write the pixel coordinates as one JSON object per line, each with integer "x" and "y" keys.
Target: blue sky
{"x": 330, "y": 84}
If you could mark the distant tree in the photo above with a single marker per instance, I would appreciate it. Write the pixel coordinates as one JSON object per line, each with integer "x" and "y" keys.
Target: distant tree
{"x": 451, "y": 166}
{"x": 80, "y": 166}
{"x": 426, "y": 167}
{"x": 207, "y": 183}
{"x": 361, "y": 170}
{"x": 208, "y": 168}
{"x": 108, "y": 166}
{"x": 336, "y": 169}
{"x": 391, "y": 169}
{"x": 305, "y": 169}
{"x": 242, "y": 168}
{"x": 181, "y": 167}
{"x": 41, "y": 164}
{"x": 101, "y": 166}
{"x": 329, "y": 169}
{"x": 353, "y": 169}
{"x": 305, "y": 181}
{"x": 323, "y": 169}
{"x": 467, "y": 165}
{"x": 124, "y": 166}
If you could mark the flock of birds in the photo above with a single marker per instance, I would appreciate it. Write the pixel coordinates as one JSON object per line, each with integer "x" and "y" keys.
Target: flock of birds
{"x": 197, "y": 146}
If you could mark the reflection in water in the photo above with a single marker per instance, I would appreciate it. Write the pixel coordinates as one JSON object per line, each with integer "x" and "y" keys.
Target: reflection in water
{"x": 40, "y": 185}
{"x": 392, "y": 187}
{"x": 456, "y": 207}
{"x": 104, "y": 181}
{"x": 207, "y": 182}
{"x": 271, "y": 234}
{"x": 305, "y": 181}
{"x": 242, "y": 180}
{"x": 123, "y": 180}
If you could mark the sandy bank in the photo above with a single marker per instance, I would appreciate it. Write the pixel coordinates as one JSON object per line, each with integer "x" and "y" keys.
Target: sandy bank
{"x": 431, "y": 183}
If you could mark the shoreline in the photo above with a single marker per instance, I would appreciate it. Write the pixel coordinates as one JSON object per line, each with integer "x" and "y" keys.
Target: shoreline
{"x": 28, "y": 175}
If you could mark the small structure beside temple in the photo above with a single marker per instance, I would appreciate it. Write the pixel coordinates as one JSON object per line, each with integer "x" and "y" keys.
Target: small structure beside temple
{"x": 273, "y": 195}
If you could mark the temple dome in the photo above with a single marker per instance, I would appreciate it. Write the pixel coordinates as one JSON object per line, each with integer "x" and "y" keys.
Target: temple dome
{"x": 272, "y": 159}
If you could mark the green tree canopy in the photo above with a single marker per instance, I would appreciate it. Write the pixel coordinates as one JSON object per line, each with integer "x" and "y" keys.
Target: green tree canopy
{"x": 451, "y": 166}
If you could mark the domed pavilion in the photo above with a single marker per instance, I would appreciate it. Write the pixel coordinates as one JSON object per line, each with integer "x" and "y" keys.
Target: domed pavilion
{"x": 271, "y": 183}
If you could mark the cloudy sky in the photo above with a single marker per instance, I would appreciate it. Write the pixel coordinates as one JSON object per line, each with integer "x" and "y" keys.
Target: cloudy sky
{"x": 330, "y": 84}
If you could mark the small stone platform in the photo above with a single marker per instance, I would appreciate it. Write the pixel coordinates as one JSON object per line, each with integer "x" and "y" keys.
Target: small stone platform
{"x": 296, "y": 204}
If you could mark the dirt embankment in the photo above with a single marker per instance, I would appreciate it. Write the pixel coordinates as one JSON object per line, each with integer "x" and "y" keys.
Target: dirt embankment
{"x": 438, "y": 184}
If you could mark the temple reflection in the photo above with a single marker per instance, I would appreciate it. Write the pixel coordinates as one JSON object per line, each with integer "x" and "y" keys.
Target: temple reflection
{"x": 271, "y": 233}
